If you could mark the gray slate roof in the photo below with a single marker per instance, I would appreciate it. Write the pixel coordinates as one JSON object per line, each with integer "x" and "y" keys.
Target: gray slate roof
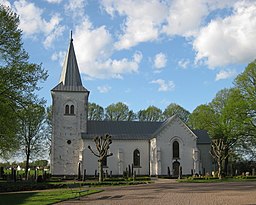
{"x": 128, "y": 130}
{"x": 203, "y": 137}
{"x": 132, "y": 130}
{"x": 61, "y": 87}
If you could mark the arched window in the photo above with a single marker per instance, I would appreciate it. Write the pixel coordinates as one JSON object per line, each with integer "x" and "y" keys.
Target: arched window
{"x": 136, "y": 158}
{"x": 175, "y": 150}
{"x": 72, "y": 110}
{"x": 67, "y": 110}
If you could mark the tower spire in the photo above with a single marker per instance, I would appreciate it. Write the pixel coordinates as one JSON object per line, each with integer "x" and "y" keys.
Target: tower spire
{"x": 70, "y": 79}
{"x": 70, "y": 72}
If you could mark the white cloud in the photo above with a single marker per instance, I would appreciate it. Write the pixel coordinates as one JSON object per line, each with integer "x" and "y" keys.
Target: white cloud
{"x": 183, "y": 63}
{"x": 59, "y": 56}
{"x": 54, "y": 1}
{"x": 94, "y": 47}
{"x": 160, "y": 60}
{"x": 54, "y": 31}
{"x": 76, "y": 8}
{"x": 104, "y": 88}
{"x": 164, "y": 85}
{"x": 185, "y": 17}
{"x": 142, "y": 23}
{"x": 5, "y": 3}
{"x": 32, "y": 22}
{"x": 229, "y": 40}
{"x": 225, "y": 74}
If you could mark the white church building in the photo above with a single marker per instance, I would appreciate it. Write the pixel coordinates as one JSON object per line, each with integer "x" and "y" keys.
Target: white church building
{"x": 153, "y": 148}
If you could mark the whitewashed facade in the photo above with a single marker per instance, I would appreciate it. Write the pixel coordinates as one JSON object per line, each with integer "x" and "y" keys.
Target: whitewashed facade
{"x": 153, "y": 148}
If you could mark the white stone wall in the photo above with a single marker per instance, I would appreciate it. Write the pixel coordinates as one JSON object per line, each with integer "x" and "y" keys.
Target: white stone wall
{"x": 122, "y": 157}
{"x": 176, "y": 130}
{"x": 64, "y": 156}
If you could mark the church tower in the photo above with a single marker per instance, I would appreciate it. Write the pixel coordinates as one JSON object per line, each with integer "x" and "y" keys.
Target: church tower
{"x": 69, "y": 117}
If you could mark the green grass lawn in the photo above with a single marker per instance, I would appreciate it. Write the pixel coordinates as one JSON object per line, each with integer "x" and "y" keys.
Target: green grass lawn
{"x": 216, "y": 180}
{"x": 40, "y": 197}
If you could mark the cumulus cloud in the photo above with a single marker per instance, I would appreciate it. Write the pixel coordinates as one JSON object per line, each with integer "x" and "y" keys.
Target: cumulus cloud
{"x": 183, "y": 63}
{"x": 5, "y": 3}
{"x": 104, "y": 88}
{"x": 185, "y": 17}
{"x": 164, "y": 85}
{"x": 142, "y": 20}
{"x": 160, "y": 61}
{"x": 94, "y": 48}
{"x": 229, "y": 40}
{"x": 59, "y": 56}
{"x": 225, "y": 74}
{"x": 54, "y": 1}
{"x": 32, "y": 22}
{"x": 75, "y": 8}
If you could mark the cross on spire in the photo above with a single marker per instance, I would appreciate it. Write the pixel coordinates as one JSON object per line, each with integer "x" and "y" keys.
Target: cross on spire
{"x": 71, "y": 37}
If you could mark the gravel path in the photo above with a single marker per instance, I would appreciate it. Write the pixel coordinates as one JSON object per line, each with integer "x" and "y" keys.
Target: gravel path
{"x": 166, "y": 191}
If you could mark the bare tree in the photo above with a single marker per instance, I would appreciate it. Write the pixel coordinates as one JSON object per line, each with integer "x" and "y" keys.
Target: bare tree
{"x": 219, "y": 153}
{"x": 102, "y": 144}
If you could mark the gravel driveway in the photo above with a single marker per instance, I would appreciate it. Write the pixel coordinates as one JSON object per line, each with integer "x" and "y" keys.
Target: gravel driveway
{"x": 165, "y": 191}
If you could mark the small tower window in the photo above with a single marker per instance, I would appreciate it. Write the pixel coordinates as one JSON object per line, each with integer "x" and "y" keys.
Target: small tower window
{"x": 136, "y": 158}
{"x": 175, "y": 150}
{"x": 67, "y": 110}
{"x": 72, "y": 110}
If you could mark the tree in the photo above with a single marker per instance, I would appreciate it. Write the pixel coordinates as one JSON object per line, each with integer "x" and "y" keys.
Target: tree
{"x": 95, "y": 112}
{"x": 40, "y": 163}
{"x": 223, "y": 118}
{"x": 246, "y": 83}
{"x": 218, "y": 152}
{"x": 102, "y": 144}
{"x": 18, "y": 78}
{"x": 48, "y": 131}
{"x": 32, "y": 135}
{"x": 118, "y": 112}
{"x": 152, "y": 114}
{"x": 173, "y": 109}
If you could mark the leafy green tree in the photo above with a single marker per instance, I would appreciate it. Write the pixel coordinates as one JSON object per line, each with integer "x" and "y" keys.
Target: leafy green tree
{"x": 118, "y": 112}
{"x": 246, "y": 83}
{"x": 48, "y": 130}
{"x": 173, "y": 109}
{"x": 95, "y": 112}
{"x": 40, "y": 163}
{"x": 224, "y": 120}
{"x": 152, "y": 114}
{"x": 18, "y": 78}
{"x": 32, "y": 132}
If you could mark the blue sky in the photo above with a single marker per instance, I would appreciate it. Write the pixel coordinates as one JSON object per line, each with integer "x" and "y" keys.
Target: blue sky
{"x": 142, "y": 52}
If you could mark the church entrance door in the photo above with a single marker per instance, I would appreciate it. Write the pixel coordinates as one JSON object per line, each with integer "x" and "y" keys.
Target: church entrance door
{"x": 175, "y": 167}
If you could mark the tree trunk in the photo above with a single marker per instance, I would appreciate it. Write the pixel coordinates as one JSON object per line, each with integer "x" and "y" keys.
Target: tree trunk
{"x": 220, "y": 169}
{"x": 100, "y": 171}
{"x": 226, "y": 162}
{"x": 27, "y": 164}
